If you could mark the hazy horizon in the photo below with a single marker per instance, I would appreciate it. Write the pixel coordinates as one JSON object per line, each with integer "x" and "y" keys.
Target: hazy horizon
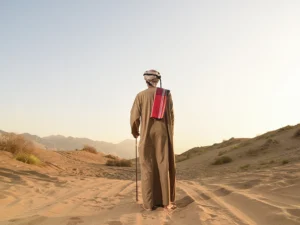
{"x": 74, "y": 68}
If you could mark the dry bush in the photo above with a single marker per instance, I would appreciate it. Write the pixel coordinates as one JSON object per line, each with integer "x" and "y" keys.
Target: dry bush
{"x": 269, "y": 143}
{"x": 119, "y": 162}
{"x": 297, "y": 134}
{"x": 15, "y": 144}
{"x": 22, "y": 149}
{"x": 222, "y": 160}
{"x": 226, "y": 143}
{"x": 285, "y": 162}
{"x": 267, "y": 163}
{"x": 222, "y": 153}
{"x": 284, "y": 128}
{"x": 90, "y": 149}
{"x": 180, "y": 158}
{"x": 253, "y": 152}
{"x": 109, "y": 156}
{"x": 245, "y": 167}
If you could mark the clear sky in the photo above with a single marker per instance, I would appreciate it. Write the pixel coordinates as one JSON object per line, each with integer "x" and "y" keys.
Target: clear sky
{"x": 74, "y": 67}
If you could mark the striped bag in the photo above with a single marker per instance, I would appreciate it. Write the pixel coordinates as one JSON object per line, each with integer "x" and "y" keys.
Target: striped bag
{"x": 159, "y": 104}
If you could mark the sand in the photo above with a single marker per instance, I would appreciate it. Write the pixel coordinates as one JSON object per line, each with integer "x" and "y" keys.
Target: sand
{"x": 77, "y": 188}
{"x": 36, "y": 198}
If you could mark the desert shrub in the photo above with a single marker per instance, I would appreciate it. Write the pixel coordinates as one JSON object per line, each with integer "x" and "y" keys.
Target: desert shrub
{"x": 253, "y": 152}
{"x": 270, "y": 142}
{"x": 119, "y": 162}
{"x": 181, "y": 158}
{"x": 285, "y": 162}
{"x": 244, "y": 167}
{"x": 90, "y": 149}
{"x": 284, "y": 128}
{"x": 226, "y": 143}
{"x": 222, "y": 160}
{"x": 15, "y": 144}
{"x": 109, "y": 156}
{"x": 22, "y": 149}
{"x": 297, "y": 134}
{"x": 28, "y": 158}
{"x": 222, "y": 153}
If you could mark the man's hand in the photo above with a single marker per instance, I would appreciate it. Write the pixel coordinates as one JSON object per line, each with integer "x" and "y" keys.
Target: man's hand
{"x": 136, "y": 135}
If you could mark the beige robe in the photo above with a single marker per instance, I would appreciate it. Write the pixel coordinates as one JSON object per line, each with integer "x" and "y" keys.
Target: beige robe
{"x": 156, "y": 153}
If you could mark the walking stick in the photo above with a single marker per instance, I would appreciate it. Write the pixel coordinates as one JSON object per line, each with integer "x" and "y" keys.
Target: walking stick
{"x": 136, "y": 173}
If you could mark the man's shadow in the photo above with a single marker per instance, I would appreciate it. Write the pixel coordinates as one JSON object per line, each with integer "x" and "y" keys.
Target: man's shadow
{"x": 185, "y": 201}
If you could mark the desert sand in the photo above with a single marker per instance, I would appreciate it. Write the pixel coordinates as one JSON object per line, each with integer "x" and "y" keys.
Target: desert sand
{"x": 260, "y": 186}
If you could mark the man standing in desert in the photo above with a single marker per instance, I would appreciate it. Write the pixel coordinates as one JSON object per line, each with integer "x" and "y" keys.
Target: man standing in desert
{"x": 152, "y": 114}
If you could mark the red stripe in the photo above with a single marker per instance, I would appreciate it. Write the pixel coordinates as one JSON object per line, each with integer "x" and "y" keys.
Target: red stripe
{"x": 159, "y": 103}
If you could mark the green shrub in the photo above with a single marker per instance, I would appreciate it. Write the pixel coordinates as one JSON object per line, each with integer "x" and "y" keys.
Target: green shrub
{"x": 222, "y": 160}
{"x": 28, "y": 158}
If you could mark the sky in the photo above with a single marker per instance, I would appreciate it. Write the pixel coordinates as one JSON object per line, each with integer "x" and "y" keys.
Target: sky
{"x": 74, "y": 67}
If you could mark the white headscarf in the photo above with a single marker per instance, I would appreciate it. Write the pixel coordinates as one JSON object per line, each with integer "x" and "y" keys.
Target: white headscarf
{"x": 152, "y": 76}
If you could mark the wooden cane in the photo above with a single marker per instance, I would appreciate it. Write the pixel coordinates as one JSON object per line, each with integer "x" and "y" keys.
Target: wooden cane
{"x": 136, "y": 168}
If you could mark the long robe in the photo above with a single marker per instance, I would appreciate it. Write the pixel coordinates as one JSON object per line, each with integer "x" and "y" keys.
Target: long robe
{"x": 156, "y": 152}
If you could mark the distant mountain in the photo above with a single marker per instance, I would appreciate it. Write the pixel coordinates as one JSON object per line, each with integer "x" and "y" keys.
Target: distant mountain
{"x": 124, "y": 149}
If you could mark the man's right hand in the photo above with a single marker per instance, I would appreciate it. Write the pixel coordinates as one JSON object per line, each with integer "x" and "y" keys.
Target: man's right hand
{"x": 136, "y": 135}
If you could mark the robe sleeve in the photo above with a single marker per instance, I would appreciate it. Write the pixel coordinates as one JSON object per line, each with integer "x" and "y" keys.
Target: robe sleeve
{"x": 135, "y": 115}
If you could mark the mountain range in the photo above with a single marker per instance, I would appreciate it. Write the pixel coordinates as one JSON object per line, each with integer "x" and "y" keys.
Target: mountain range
{"x": 124, "y": 149}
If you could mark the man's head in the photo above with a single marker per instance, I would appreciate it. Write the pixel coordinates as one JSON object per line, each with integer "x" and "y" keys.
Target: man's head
{"x": 152, "y": 77}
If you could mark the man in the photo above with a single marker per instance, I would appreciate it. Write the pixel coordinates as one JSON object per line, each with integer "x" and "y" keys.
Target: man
{"x": 153, "y": 110}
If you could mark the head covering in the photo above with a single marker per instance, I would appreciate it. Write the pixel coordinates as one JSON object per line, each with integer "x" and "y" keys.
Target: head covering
{"x": 152, "y": 77}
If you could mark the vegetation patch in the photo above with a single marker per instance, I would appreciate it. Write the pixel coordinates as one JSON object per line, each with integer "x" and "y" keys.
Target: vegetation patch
{"x": 90, "y": 149}
{"x": 28, "y": 158}
{"x": 119, "y": 162}
{"x": 285, "y": 162}
{"x": 22, "y": 149}
{"x": 284, "y": 129}
{"x": 109, "y": 156}
{"x": 15, "y": 144}
{"x": 297, "y": 134}
{"x": 222, "y": 153}
{"x": 181, "y": 158}
{"x": 227, "y": 143}
{"x": 253, "y": 152}
{"x": 222, "y": 160}
{"x": 245, "y": 167}
{"x": 269, "y": 143}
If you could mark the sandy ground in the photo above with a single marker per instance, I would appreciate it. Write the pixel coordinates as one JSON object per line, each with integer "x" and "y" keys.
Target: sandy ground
{"x": 31, "y": 197}
{"x": 260, "y": 186}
